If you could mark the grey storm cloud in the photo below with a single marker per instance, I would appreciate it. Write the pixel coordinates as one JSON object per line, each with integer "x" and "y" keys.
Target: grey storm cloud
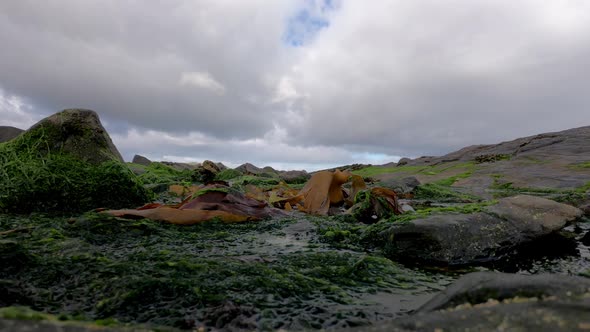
{"x": 174, "y": 65}
{"x": 218, "y": 79}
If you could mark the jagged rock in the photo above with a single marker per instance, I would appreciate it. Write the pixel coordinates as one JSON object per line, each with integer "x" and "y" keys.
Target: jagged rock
{"x": 141, "y": 160}
{"x": 458, "y": 239}
{"x": 206, "y": 172}
{"x": 7, "y": 133}
{"x": 77, "y": 132}
{"x": 221, "y": 166}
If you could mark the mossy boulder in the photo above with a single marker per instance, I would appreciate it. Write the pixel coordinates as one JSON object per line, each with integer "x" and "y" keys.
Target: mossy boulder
{"x": 491, "y": 234}
{"x": 76, "y": 132}
{"x": 65, "y": 163}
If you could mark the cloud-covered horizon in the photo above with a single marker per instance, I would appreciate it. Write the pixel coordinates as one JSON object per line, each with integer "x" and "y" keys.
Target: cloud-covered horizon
{"x": 299, "y": 84}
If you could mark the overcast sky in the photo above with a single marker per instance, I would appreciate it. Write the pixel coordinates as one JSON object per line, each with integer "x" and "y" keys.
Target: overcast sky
{"x": 299, "y": 84}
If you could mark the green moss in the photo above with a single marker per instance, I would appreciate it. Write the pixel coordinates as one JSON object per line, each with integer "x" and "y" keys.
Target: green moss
{"x": 264, "y": 183}
{"x": 157, "y": 173}
{"x": 228, "y": 174}
{"x": 452, "y": 179}
{"x": 441, "y": 193}
{"x": 583, "y": 165}
{"x": 23, "y": 313}
{"x": 35, "y": 179}
{"x": 371, "y": 171}
{"x": 424, "y": 170}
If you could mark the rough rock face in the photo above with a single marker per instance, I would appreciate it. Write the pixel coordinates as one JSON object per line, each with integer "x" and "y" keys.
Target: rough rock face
{"x": 554, "y": 161}
{"x": 488, "y": 301}
{"x": 141, "y": 160}
{"x": 78, "y": 132}
{"x": 457, "y": 239}
{"x": 7, "y": 133}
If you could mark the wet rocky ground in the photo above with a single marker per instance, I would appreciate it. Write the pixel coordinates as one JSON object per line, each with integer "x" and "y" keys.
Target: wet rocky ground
{"x": 273, "y": 274}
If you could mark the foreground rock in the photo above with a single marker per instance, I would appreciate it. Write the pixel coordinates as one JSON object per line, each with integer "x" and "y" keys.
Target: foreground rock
{"x": 458, "y": 239}
{"x": 488, "y": 301}
{"x": 7, "y": 133}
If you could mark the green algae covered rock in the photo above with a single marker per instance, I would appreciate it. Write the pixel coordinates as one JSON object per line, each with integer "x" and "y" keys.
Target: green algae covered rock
{"x": 65, "y": 163}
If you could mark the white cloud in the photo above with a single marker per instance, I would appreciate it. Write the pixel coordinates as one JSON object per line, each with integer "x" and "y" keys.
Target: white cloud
{"x": 202, "y": 80}
{"x": 15, "y": 112}
{"x": 217, "y": 79}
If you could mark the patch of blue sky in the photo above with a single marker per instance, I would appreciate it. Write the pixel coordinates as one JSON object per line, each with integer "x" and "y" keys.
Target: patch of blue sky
{"x": 374, "y": 158}
{"x": 304, "y": 25}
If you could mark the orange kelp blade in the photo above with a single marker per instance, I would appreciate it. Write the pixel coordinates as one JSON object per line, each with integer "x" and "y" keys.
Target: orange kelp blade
{"x": 324, "y": 188}
{"x": 180, "y": 217}
{"x": 315, "y": 193}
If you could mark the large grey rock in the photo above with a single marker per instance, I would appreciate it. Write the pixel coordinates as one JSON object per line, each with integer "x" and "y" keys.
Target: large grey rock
{"x": 77, "y": 132}
{"x": 458, "y": 239}
{"x": 487, "y": 301}
{"x": 141, "y": 160}
{"x": 7, "y": 133}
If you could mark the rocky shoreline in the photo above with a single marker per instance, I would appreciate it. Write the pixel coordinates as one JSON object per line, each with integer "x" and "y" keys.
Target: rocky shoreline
{"x": 363, "y": 261}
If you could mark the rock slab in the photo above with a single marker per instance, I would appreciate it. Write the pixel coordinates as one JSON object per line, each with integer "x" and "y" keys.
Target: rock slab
{"x": 488, "y": 301}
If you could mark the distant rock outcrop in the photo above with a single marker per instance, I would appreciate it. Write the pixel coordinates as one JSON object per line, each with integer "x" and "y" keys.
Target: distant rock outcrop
{"x": 249, "y": 169}
{"x": 141, "y": 160}
{"x": 7, "y": 133}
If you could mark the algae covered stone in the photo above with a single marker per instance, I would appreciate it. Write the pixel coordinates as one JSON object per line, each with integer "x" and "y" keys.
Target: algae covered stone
{"x": 65, "y": 163}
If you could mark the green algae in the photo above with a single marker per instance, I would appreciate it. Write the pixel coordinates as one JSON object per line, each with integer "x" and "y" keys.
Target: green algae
{"x": 158, "y": 173}
{"x": 35, "y": 178}
{"x": 441, "y": 193}
{"x": 140, "y": 271}
{"x": 371, "y": 171}
{"x": 228, "y": 174}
